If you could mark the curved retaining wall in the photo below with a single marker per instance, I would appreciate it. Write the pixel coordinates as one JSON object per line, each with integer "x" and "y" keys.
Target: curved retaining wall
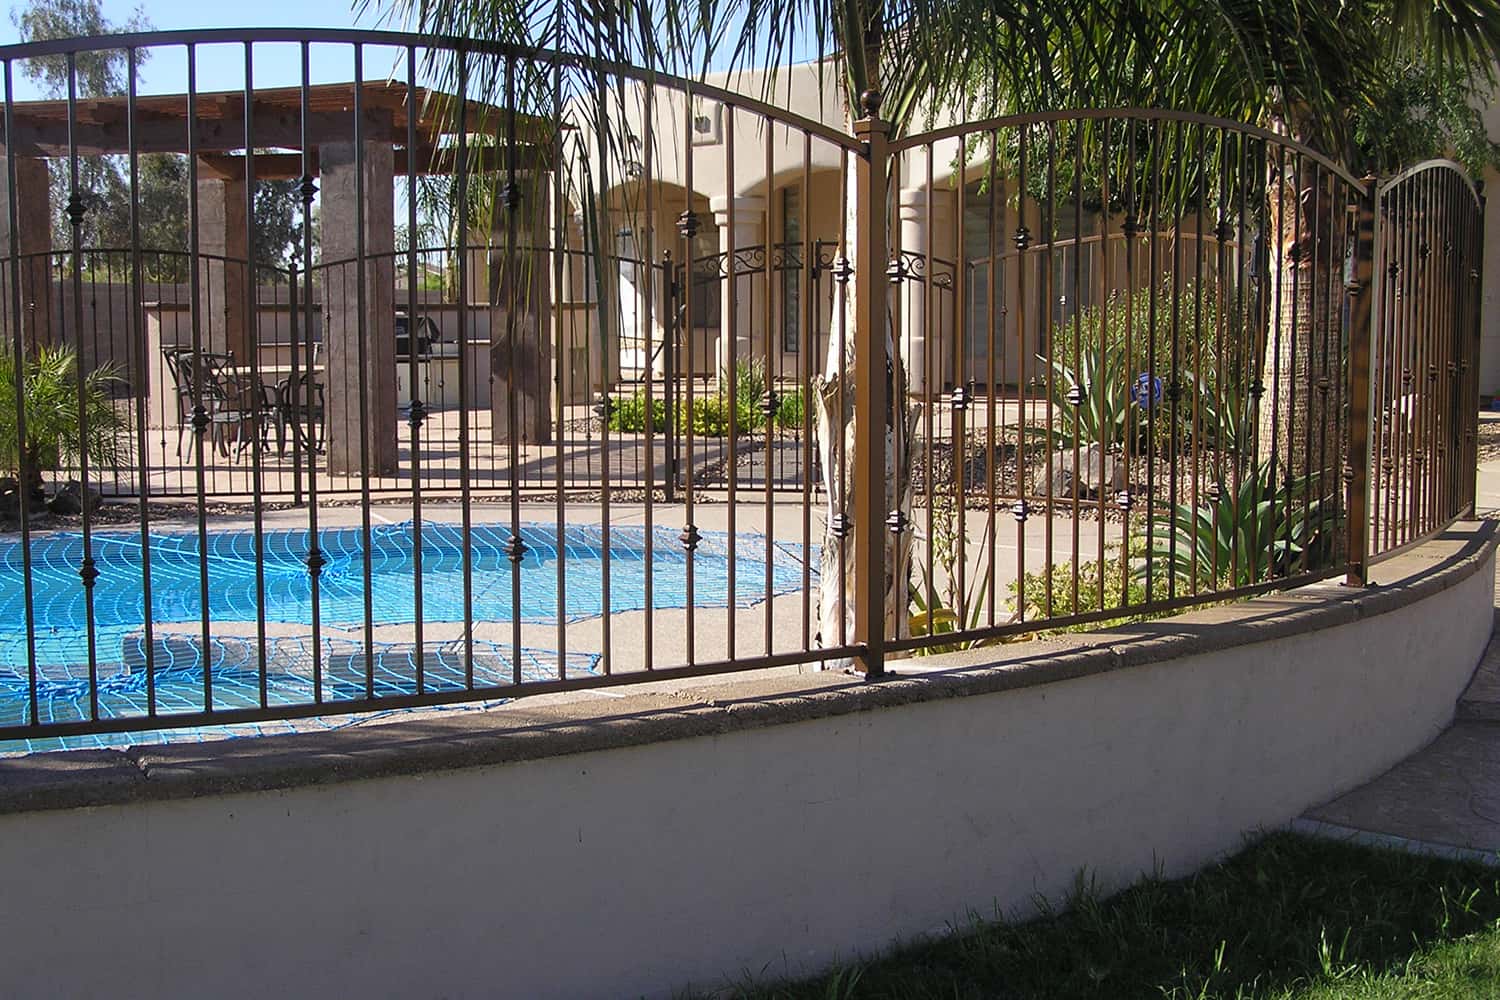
{"x": 614, "y": 846}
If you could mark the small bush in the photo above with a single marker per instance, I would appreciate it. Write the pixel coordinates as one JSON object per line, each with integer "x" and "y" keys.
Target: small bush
{"x": 629, "y": 415}
{"x": 710, "y": 416}
{"x": 791, "y": 410}
{"x": 1121, "y": 590}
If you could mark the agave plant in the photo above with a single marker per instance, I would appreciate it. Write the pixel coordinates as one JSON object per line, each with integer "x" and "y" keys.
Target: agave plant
{"x": 1245, "y": 536}
{"x": 1091, "y": 405}
{"x": 55, "y": 408}
{"x": 937, "y": 605}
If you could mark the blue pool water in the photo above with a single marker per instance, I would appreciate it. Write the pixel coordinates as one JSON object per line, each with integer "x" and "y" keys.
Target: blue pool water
{"x": 180, "y": 659}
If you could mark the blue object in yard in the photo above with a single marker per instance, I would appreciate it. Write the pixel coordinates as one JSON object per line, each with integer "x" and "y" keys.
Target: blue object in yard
{"x": 1145, "y": 392}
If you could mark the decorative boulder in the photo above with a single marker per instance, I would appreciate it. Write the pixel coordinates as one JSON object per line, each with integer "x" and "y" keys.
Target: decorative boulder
{"x": 72, "y": 498}
{"x": 1096, "y": 471}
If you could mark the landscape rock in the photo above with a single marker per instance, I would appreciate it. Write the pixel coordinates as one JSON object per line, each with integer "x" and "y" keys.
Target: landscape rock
{"x": 1096, "y": 471}
{"x": 72, "y": 499}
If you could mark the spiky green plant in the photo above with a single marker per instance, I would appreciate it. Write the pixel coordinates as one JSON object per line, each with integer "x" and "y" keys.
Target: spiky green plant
{"x": 938, "y": 605}
{"x": 1246, "y": 535}
{"x": 1090, "y": 405}
{"x": 55, "y": 408}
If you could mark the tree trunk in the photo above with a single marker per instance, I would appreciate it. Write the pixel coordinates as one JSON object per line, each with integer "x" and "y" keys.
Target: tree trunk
{"x": 1303, "y": 350}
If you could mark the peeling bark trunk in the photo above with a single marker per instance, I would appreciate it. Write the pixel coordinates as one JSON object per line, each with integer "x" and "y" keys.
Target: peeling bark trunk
{"x": 1303, "y": 349}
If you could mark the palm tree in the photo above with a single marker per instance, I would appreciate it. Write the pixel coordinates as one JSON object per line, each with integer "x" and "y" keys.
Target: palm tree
{"x": 1309, "y": 65}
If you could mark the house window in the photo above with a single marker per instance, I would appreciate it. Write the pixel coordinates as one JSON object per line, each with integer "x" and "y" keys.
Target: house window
{"x": 791, "y": 277}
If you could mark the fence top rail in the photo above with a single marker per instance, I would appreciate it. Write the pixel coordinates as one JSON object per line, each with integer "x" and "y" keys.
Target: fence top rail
{"x": 1427, "y": 166}
{"x": 458, "y": 44}
{"x": 1145, "y": 114}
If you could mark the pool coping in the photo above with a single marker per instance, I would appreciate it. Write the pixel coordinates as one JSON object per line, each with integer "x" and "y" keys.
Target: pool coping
{"x": 553, "y": 726}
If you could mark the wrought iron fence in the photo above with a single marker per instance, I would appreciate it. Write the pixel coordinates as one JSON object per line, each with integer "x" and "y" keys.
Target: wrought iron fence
{"x": 743, "y": 390}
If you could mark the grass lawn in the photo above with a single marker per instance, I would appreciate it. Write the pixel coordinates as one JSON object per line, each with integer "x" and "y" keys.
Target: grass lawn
{"x": 1289, "y": 917}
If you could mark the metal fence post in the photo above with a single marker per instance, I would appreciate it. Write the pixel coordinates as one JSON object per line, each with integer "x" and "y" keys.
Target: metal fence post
{"x": 1471, "y": 363}
{"x": 872, "y": 385}
{"x": 1361, "y": 334}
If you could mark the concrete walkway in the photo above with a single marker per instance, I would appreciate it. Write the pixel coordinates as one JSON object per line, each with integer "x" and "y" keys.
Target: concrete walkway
{"x": 1445, "y": 798}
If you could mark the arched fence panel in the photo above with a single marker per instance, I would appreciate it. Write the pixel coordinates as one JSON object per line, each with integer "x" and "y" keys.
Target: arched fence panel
{"x": 1137, "y": 396}
{"x": 406, "y": 371}
{"x": 1424, "y": 375}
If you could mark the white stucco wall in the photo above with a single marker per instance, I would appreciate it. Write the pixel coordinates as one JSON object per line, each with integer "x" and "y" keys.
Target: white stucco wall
{"x": 633, "y": 871}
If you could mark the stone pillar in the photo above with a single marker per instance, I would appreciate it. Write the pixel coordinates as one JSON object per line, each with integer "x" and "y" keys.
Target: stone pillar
{"x": 344, "y": 377}
{"x": 520, "y": 283}
{"x": 224, "y": 243}
{"x": 741, "y": 220}
{"x": 33, "y": 237}
{"x": 927, "y": 342}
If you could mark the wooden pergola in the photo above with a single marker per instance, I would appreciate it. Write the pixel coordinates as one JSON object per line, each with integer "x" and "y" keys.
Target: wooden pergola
{"x": 292, "y": 133}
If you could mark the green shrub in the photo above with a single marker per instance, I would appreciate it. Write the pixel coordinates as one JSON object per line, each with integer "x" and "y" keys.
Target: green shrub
{"x": 710, "y": 416}
{"x": 1122, "y": 589}
{"x": 710, "y": 413}
{"x": 51, "y": 394}
{"x": 791, "y": 410}
{"x": 629, "y": 415}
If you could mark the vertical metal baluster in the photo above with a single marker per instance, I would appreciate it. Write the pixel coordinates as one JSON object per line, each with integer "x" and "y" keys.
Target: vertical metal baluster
{"x": 1130, "y": 229}
{"x": 416, "y": 412}
{"x": 731, "y": 372}
{"x": 687, "y": 225}
{"x": 87, "y": 571}
{"x": 1363, "y": 212}
{"x": 515, "y": 548}
{"x": 1106, "y": 289}
{"x": 20, "y": 352}
{"x": 932, "y": 428}
{"x": 1077, "y": 317}
{"x": 256, "y": 389}
{"x": 1421, "y": 339}
{"x": 315, "y": 558}
{"x": 1153, "y": 405}
{"x": 769, "y": 402}
{"x": 466, "y": 513}
{"x": 605, "y": 365}
{"x": 1022, "y": 240}
{"x": 960, "y": 398}
{"x": 1431, "y": 341}
{"x": 1246, "y": 372}
{"x": 559, "y": 254}
{"x": 807, "y": 344}
{"x": 842, "y": 272}
{"x": 1224, "y": 375}
{"x": 1174, "y": 378}
{"x": 1378, "y": 405}
{"x": 138, "y": 337}
{"x": 362, "y": 352}
{"x": 1302, "y": 311}
{"x": 1045, "y": 282}
{"x": 1411, "y": 360}
{"x": 1404, "y": 411}
{"x": 992, "y": 384}
{"x": 647, "y": 256}
{"x": 1320, "y": 387}
{"x": 1278, "y": 403}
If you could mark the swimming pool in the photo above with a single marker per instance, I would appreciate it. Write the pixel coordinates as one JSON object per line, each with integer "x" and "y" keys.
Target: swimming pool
{"x": 180, "y": 658}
